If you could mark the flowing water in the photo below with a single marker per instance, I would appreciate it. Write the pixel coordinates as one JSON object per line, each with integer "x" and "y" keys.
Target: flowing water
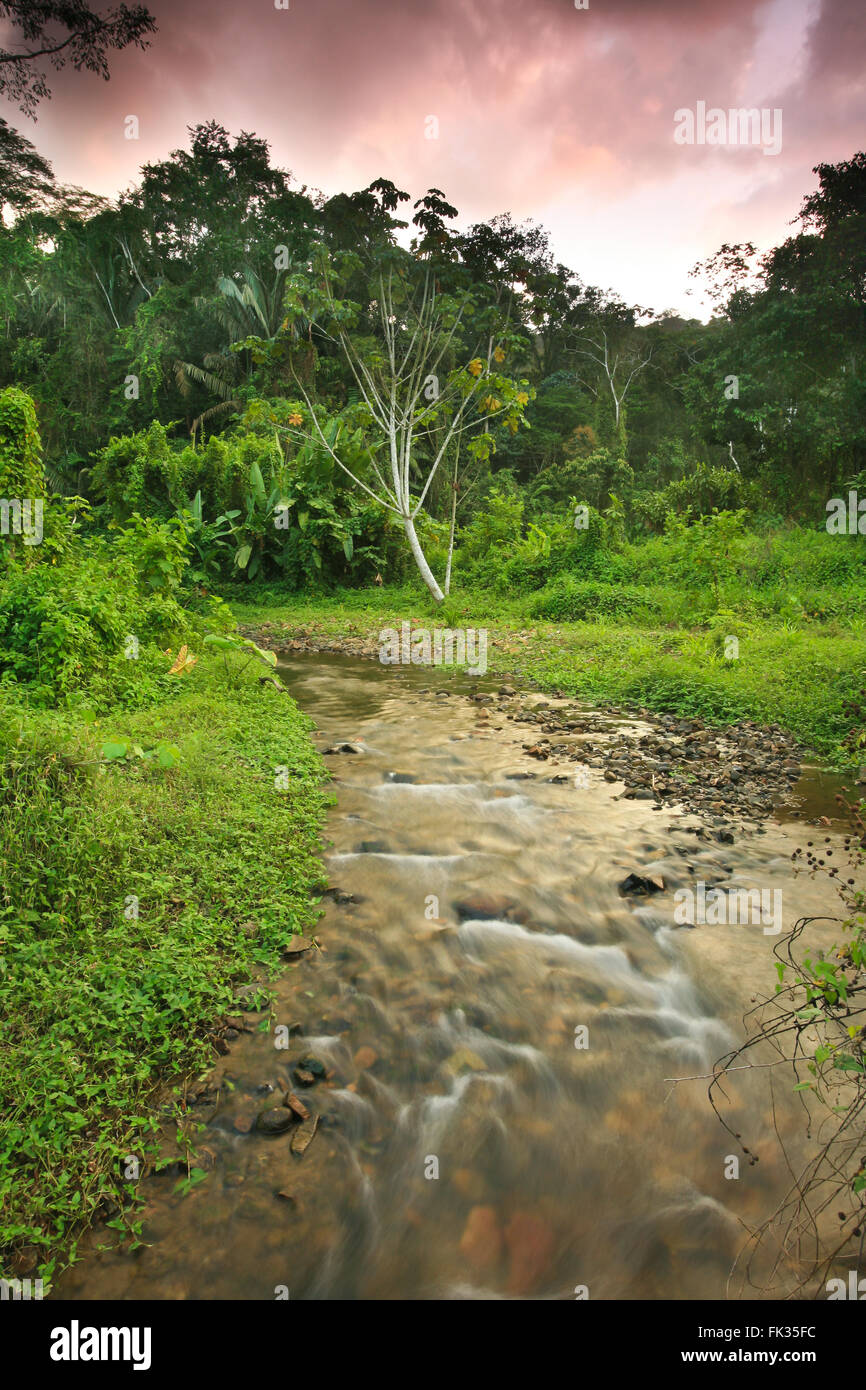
{"x": 499, "y": 1028}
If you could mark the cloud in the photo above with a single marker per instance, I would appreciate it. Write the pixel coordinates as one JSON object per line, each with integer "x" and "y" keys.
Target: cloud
{"x": 543, "y": 110}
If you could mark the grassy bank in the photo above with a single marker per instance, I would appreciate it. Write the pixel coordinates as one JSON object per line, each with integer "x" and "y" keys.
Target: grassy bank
{"x": 795, "y": 670}
{"x": 102, "y": 998}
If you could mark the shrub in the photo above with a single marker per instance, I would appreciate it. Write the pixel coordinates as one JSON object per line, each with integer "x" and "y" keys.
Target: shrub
{"x": 21, "y": 473}
{"x": 67, "y": 617}
{"x": 591, "y": 480}
{"x": 697, "y": 494}
{"x": 585, "y": 600}
{"x": 136, "y": 472}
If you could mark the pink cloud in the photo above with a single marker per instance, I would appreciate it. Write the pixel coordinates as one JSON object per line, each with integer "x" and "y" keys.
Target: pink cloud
{"x": 544, "y": 110}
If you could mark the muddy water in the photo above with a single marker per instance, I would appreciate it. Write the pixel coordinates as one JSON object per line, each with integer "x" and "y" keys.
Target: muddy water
{"x": 466, "y": 1147}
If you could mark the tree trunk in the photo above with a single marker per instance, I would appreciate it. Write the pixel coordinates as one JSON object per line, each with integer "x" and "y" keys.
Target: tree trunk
{"x": 451, "y": 533}
{"x": 423, "y": 568}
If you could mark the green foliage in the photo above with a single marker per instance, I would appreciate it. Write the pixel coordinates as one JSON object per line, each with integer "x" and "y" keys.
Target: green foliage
{"x": 699, "y": 493}
{"x": 157, "y": 550}
{"x": 137, "y": 472}
{"x": 68, "y": 615}
{"x": 109, "y": 762}
{"x": 714, "y": 544}
{"x": 587, "y": 600}
{"x": 259, "y": 502}
{"x": 232, "y": 645}
{"x": 100, "y": 1002}
{"x": 497, "y": 527}
{"x": 591, "y": 480}
{"x": 21, "y": 472}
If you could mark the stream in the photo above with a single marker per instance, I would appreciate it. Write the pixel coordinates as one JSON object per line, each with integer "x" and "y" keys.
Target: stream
{"x": 493, "y": 1031}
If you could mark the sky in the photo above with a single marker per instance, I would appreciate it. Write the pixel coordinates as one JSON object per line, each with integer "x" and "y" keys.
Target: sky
{"x": 543, "y": 110}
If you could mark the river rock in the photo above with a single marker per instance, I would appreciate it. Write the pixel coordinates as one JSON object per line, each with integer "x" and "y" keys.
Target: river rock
{"x": 638, "y": 886}
{"x": 481, "y": 1242}
{"x": 296, "y": 1105}
{"x": 470, "y": 1184}
{"x": 275, "y": 1121}
{"x": 490, "y": 907}
{"x": 530, "y": 1243}
{"x": 304, "y": 1134}
{"x": 297, "y": 946}
{"x": 309, "y": 1066}
{"x": 462, "y": 1060}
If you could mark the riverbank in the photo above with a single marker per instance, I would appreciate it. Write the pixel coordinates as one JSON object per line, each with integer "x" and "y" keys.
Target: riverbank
{"x": 136, "y": 897}
{"x": 796, "y": 678}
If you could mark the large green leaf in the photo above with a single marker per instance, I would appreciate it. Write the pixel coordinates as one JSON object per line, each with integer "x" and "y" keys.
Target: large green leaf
{"x": 240, "y": 644}
{"x": 257, "y": 484}
{"x": 113, "y": 748}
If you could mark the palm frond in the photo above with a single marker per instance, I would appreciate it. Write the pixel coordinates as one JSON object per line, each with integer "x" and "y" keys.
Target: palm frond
{"x": 186, "y": 372}
{"x": 214, "y": 410}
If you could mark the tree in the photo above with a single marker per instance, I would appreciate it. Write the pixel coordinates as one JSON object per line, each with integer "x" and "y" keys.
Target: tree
{"x": 365, "y": 218}
{"x": 547, "y": 297}
{"x": 619, "y": 356}
{"x": 63, "y": 31}
{"x": 778, "y": 379}
{"x": 26, "y": 179}
{"x": 422, "y": 393}
{"x": 221, "y": 204}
